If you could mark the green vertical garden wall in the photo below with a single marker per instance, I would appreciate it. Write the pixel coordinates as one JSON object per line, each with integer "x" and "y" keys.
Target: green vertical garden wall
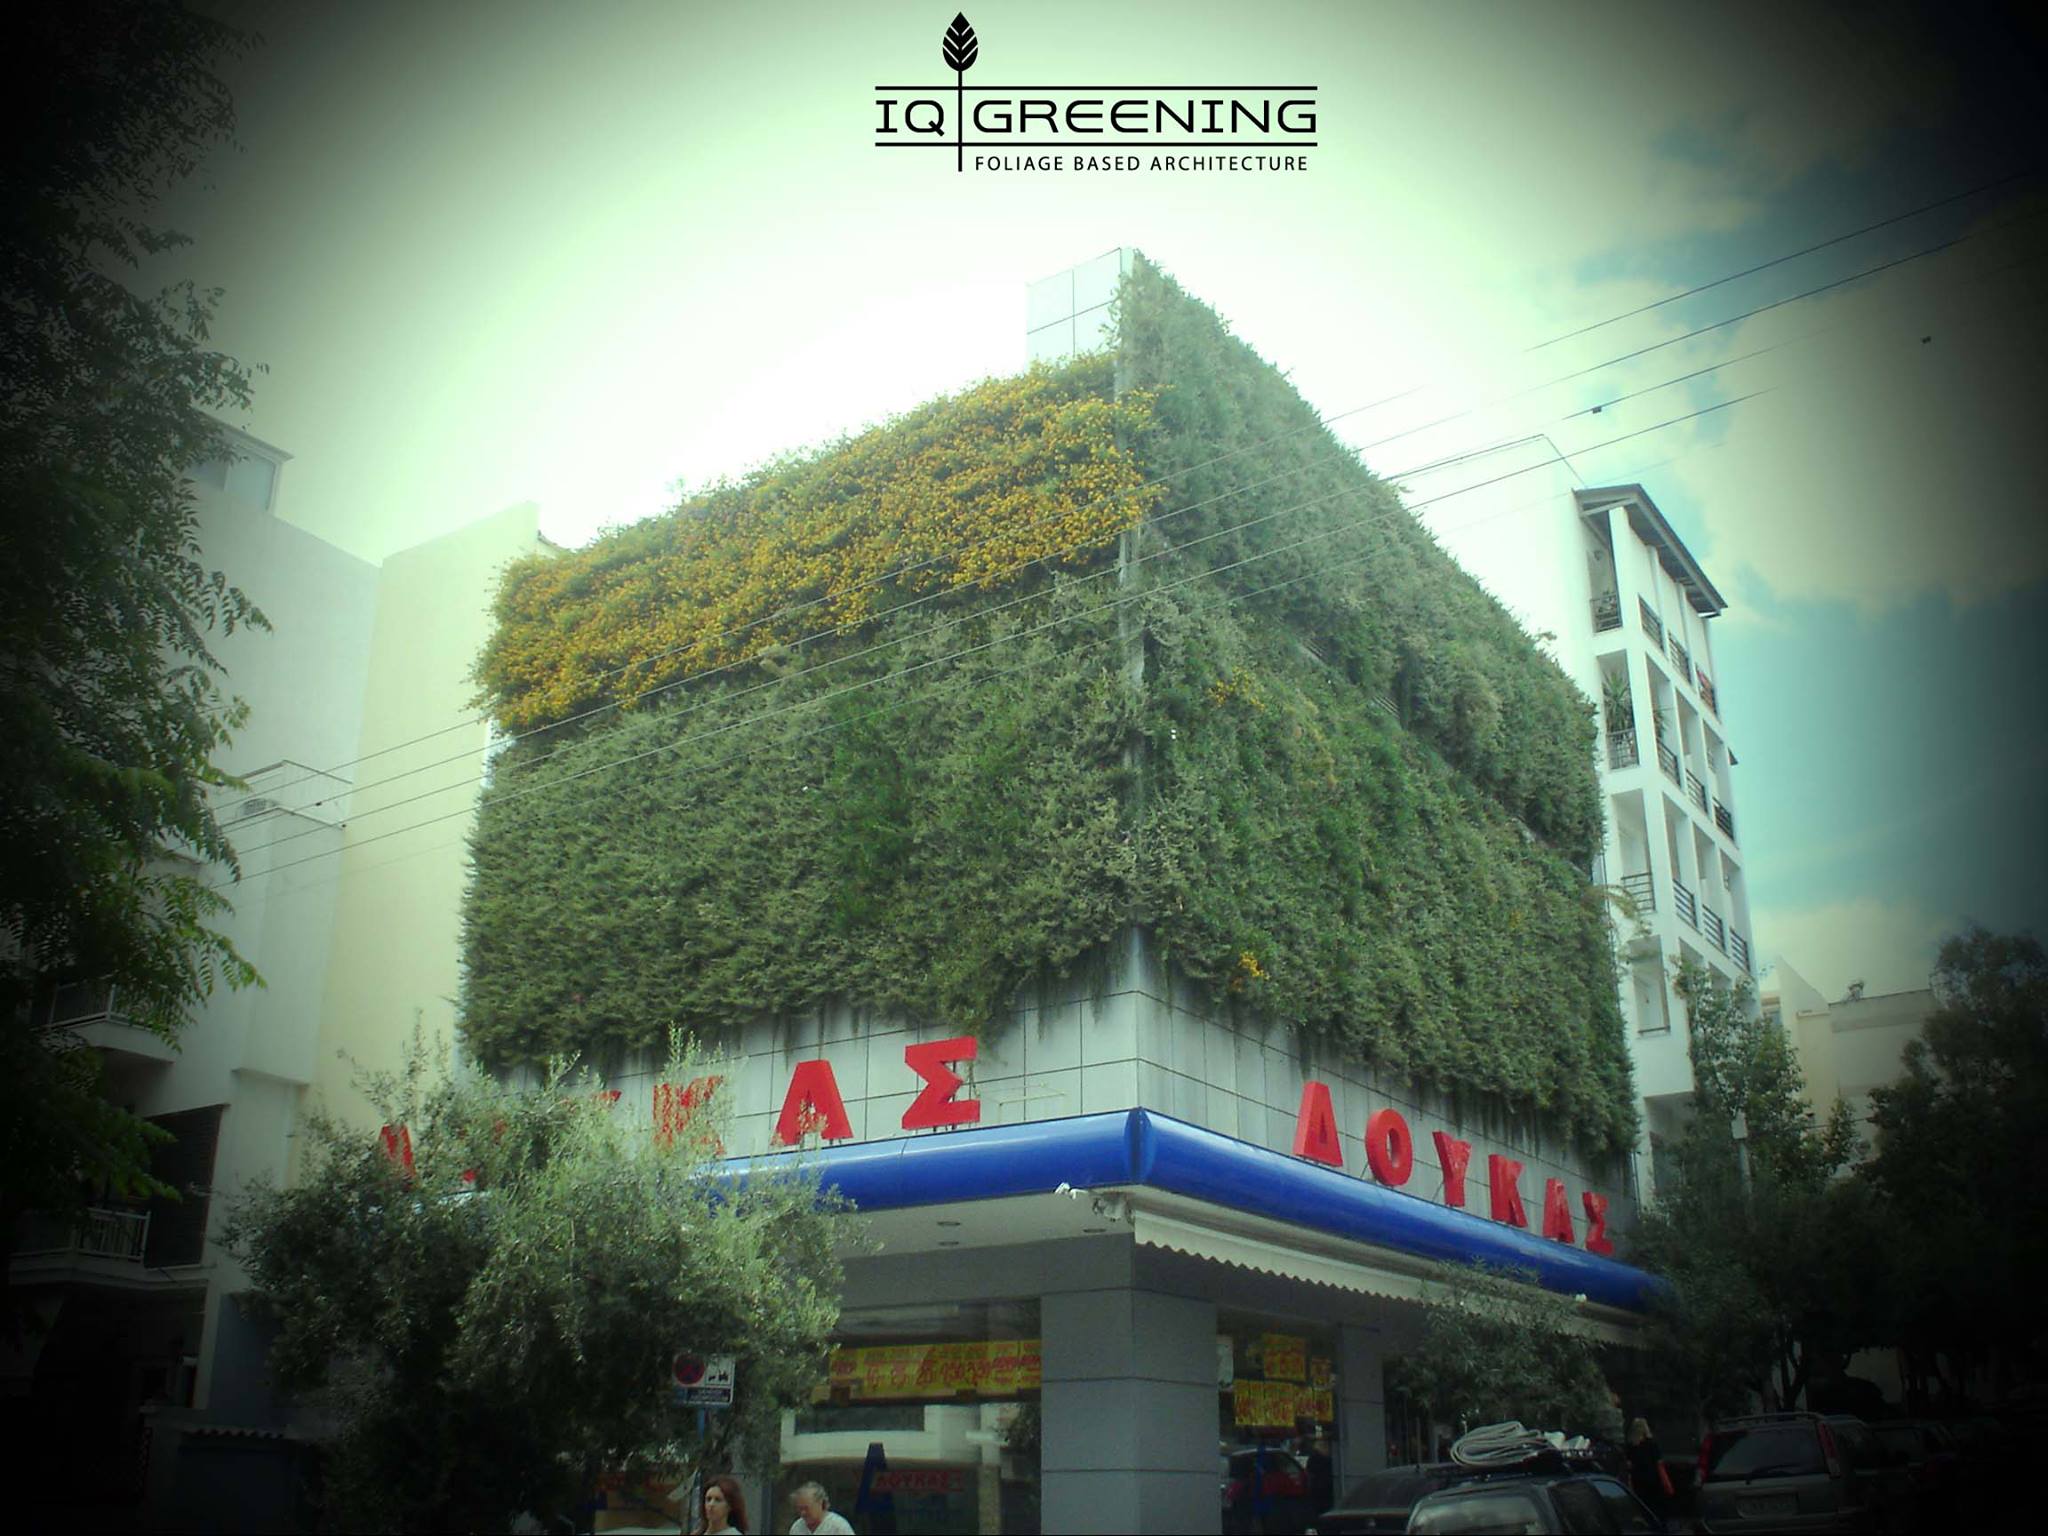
{"x": 916, "y": 718}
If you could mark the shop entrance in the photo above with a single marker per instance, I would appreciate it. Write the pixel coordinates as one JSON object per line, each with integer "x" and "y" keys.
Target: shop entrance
{"x": 927, "y": 1422}
{"x": 1276, "y": 1391}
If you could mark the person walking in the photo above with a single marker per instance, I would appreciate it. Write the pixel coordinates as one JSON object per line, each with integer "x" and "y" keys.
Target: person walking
{"x": 725, "y": 1508}
{"x": 814, "y": 1513}
{"x": 1646, "y": 1471}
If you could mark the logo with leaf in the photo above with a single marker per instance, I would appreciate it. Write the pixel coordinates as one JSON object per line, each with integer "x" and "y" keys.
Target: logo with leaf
{"x": 960, "y": 50}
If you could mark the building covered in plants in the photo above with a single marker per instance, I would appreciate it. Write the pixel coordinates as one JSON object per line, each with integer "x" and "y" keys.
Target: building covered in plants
{"x": 1092, "y": 817}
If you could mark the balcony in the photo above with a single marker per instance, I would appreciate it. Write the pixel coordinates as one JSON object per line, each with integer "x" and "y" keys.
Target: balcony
{"x": 1642, "y": 890}
{"x": 1652, "y": 625}
{"x": 92, "y": 1010}
{"x": 1668, "y": 761}
{"x": 1724, "y": 819}
{"x": 101, "y": 1232}
{"x": 1712, "y": 926}
{"x": 1738, "y": 948}
{"x": 1707, "y": 695}
{"x": 1622, "y": 751}
{"x": 1683, "y": 902}
{"x": 1696, "y": 789}
{"x": 1606, "y": 612}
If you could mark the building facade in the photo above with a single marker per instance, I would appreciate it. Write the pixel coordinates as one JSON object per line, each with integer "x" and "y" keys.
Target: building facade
{"x": 1611, "y": 592}
{"x": 148, "y": 1366}
{"x": 1161, "y": 1230}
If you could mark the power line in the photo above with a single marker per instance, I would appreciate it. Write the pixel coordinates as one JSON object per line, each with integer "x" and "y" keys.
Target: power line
{"x": 940, "y": 595}
{"x": 831, "y": 661}
{"x": 1324, "y": 421}
{"x": 1764, "y": 266}
{"x": 899, "y": 673}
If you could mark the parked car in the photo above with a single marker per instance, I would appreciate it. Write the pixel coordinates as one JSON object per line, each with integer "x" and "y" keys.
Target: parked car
{"x": 1933, "y": 1461}
{"x": 1799, "y": 1472}
{"x": 1381, "y": 1501}
{"x": 1533, "y": 1502}
{"x": 1265, "y": 1489}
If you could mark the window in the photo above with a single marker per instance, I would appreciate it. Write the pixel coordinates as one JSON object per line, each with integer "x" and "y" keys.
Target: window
{"x": 1782, "y": 1450}
{"x": 1499, "y": 1509}
{"x": 1628, "y": 1512}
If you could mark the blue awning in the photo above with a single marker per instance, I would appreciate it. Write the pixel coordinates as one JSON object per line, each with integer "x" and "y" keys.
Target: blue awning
{"x": 1138, "y": 1149}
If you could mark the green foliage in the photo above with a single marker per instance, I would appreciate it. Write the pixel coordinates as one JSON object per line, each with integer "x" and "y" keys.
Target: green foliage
{"x": 922, "y": 813}
{"x": 488, "y": 1346}
{"x": 1959, "y": 1141}
{"x": 1495, "y": 1346}
{"x": 110, "y": 712}
{"x": 1778, "y": 1268}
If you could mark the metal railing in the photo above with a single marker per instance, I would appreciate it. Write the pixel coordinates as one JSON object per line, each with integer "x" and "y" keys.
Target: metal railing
{"x": 1652, "y": 625}
{"x": 1622, "y": 751}
{"x": 100, "y": 1232}
{"x": 1606, "y": 612}
{"x": 1681, "y": 658}
{"x": 1738, "y": 946}
{"x": 1696, "y": 787}
{"x": 75, "y": 1003}
{"x": 1724, "y": 819}
{"x": 1712, "y": 926}
{"x": 1708, "y": 696}
{"x": 1642, "y": 890}
{"x": 1668, "y": 761}
{"x": 1684, "y": 903}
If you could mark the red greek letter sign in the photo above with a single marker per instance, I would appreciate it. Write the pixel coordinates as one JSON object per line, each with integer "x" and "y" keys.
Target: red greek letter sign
{"x": 935, "y": 1104}
{"x": 1389, "y": 1148}
{"x": 812, "y": 1103}
{"x": 1315, "y": 1127}
{"x": 1502, "y": 1174}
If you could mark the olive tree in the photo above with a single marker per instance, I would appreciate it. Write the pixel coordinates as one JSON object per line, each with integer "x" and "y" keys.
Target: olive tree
{"x": 486, "y": 1299}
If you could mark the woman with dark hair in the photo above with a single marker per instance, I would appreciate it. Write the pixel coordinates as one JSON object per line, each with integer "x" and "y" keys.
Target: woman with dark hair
{"x": 725, "y": 1508}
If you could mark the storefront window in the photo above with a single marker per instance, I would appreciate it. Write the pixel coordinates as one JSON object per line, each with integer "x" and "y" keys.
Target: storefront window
{"x": 926, "y": 1421}
{"x": 1276, "y": 1390}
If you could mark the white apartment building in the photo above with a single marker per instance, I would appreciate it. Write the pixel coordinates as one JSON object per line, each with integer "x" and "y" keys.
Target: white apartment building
{"x": 1602, "y": 581}
{"x": 362, "y": 759}
{"x": 1847, "y": 1048}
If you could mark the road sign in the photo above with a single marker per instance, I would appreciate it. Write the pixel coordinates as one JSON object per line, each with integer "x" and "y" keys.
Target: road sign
{"x": 705, "y": 1381}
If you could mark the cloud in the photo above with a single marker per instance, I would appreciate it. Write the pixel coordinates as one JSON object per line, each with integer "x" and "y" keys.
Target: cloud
{"x": 1887, "y": 945}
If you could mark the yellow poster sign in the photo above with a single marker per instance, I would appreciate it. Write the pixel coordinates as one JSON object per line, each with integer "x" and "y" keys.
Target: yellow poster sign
{"x": 1277, "y": 1404}
{"x": 1286, "y": 1357}
{"x": 984, "y": 1368}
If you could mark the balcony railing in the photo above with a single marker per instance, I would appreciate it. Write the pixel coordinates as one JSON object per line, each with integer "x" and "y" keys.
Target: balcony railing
{"x": 1713, "y": 928}
{"x": 1668, "y": 761}
{"x": 99, "y": 1233}
{"x": 1696, "y": 787}
{"x": 1708, "y": 696}
{"x": 1606, "y": 612}
{"x": 1683, "y": 902}
{"x": 1724, "y": 819}
{"x": 1738, "y": 946}
{"x": 1622, "y": 751}
{"x": 1642, "y": 890}
{"x": 1681, "y": 658}
{"x": 1652, "y": 625}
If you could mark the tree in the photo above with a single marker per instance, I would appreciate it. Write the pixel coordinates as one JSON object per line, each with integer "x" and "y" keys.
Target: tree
{"x": 1496, "y": 1346}
{"x": 1778, "y": 1269}
{"x": 111, "y": 711}
{"x": 489, "y": 1299}
{"x": 1959, "y": 1145}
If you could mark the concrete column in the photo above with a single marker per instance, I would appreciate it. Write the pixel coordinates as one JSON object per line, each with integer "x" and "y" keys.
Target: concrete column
{"x": 1129, "y": 1403}
{"x": 1361, "y": 1403}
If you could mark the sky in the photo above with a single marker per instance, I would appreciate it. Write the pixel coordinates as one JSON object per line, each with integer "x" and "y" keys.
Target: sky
{"x": 595, "y": 256}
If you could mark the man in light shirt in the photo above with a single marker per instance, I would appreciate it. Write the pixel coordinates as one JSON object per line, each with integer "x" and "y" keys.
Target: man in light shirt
{"x": 814, "y": 1515}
